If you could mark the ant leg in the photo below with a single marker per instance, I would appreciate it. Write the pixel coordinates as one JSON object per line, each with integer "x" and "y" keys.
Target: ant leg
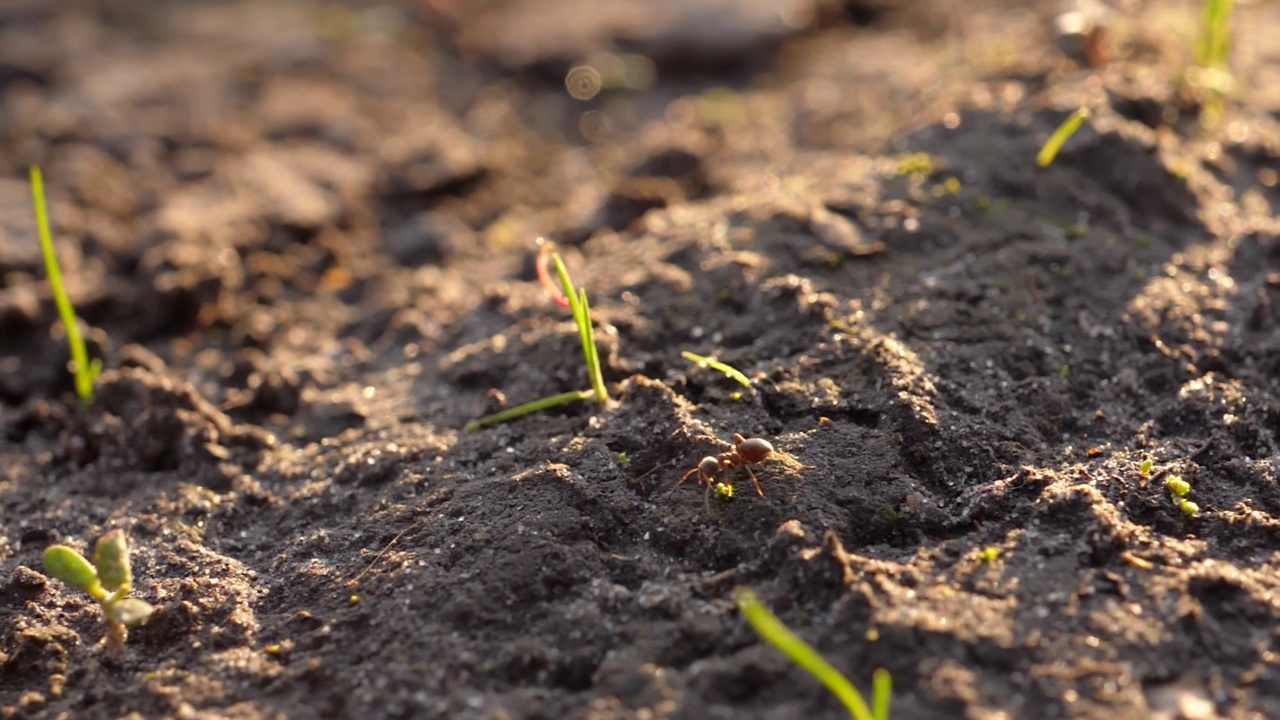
{"x": 753, "y": 480}
{"x": 682, "y": 481}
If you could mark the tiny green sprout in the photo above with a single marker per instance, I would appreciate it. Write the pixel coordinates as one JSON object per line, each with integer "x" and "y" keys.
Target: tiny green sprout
{"x": 1146, "y": 467}
{"x": 581, "y": 310}
{"x": 949, "y": 187}
{"x": 777, "y": 634}
{"x": 623, "y": 460}
{"x": 918, "y": 164}
{"x": 1213, "y": 48}
{"x": 989, "y": 554}
{"x": 723, "y": 492}
{"x": 1187, "y": 507}
{"x": 1054, "y": 144}
{"x": 1213, "y": 59}
{"x": 86, "y": 371}
{"x": 736, "y": 396}
{"x": 714, "y": 364}
{"x": 1064, "y": 372}
{"x": 1177, "y": 486}
{"x": 1076, "y": 231}
{"x": 109, "y": 580}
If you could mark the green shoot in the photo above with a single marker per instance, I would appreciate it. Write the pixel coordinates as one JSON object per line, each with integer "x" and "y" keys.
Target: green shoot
{"x": 586, "y": 331}
{"x": 773, "y": 631}
{"x": 1060, "y": 137}
{"x": 1213, "y": 57}
{"x": 86, "y": 372}
{"x": 1146, "y": 467}
{"x": 109, "y": 580}
{"x": 1213, "y": 48}
{"x": 715, "y": 364}
{"x": 1178, "y": 491}
{"x": 582, "y": 315}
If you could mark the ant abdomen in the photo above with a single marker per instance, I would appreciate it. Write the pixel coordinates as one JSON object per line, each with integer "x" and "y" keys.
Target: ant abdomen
{"x": 754, "y": 450}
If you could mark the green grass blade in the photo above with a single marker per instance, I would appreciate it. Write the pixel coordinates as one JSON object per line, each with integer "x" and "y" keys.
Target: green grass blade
{"x": 1214, "y": 47}
{"x": 593, "y": 352}
{"x": 1060, "y": 137}
{"x": 714, "y": 364}
{"x": 769, "y": 627}
{"x": 582, "y": 316}
{"x": 85, "y": 372}
{"x": 881, "y": 692}
{"x": 530, "y": 407}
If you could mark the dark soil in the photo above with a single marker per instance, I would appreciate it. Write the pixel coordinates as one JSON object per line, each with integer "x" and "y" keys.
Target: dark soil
{"x": 302, "y": 238}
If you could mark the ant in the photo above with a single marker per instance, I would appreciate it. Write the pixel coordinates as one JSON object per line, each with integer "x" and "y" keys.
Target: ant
{"x": 744, "y": 453}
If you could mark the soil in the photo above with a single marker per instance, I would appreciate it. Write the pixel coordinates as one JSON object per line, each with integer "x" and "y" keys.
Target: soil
{"x": 301, "y": 236}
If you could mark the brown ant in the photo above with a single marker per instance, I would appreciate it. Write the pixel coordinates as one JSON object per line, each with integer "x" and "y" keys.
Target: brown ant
{"x": 744, "y": 453}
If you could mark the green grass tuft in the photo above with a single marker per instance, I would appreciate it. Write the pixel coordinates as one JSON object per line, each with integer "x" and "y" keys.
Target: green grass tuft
{"x": 86, "y": 371}
{"x": 774, "y": 632}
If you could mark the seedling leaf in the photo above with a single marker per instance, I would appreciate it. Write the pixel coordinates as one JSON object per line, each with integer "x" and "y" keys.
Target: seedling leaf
{"x": 85, "y": 372}
{"x": 773, "y": 631}
{"x": 131, "y": 612}
{"x": 714, "y": 364}
{"x": 1060, "y": 137}
{"x": 530, "y": 407}
{"x": 112, "y": 560}
{"x": 72, "y": 568}
{"x": 1213, "y": 49}
{"x": 593, "y": 355}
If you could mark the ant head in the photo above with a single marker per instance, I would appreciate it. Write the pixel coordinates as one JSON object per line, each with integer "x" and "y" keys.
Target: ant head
{"x": 754, "y": 450}
{"x": 708, "y": 467}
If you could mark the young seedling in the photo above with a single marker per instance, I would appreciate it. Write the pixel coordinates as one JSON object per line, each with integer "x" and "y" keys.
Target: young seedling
{"x": 86, "y": 371}
{"x": 714, "y": 364}
{"x": 744, "y": 453}
{"x": 577, "y": 300}
{"x": 109, "y": 580}
{"x": 1060, "y": 137}
{"x": 774, "y": 632}
{"x": 1178, "y": 491}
